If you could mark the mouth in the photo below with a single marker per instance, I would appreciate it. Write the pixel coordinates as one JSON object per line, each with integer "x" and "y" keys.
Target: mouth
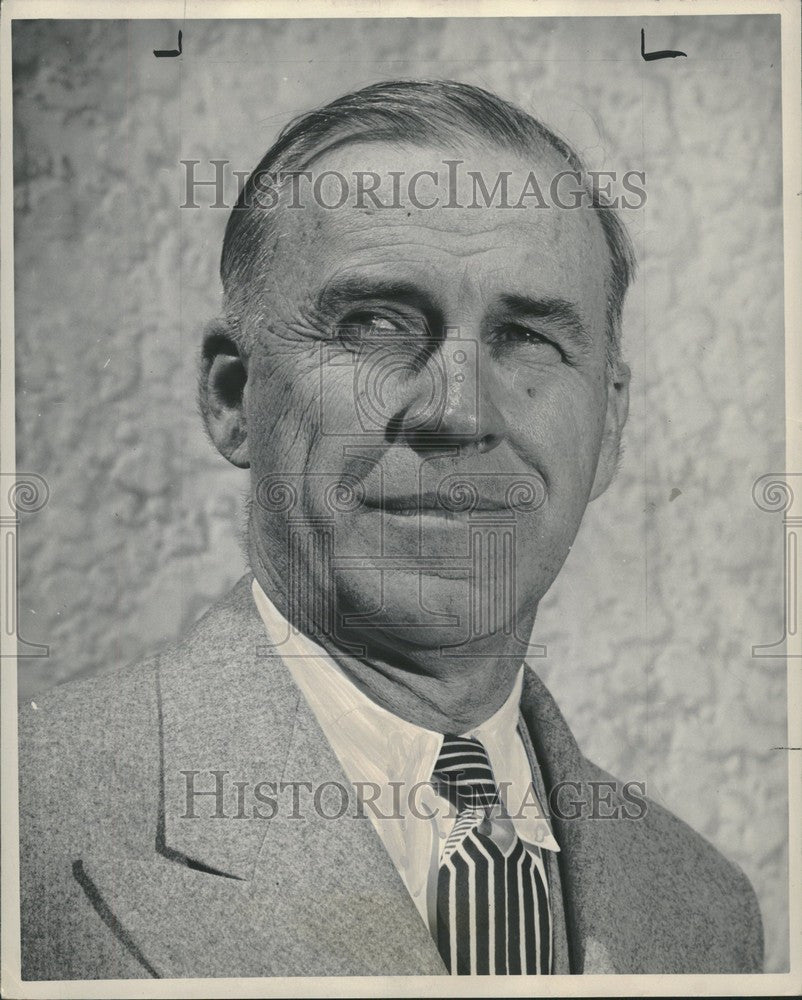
{"x": 428, "y": 504}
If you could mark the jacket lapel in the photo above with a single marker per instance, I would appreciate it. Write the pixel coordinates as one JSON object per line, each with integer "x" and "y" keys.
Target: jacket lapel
{"x": 239, "y": 886}
{"x": 598, "y": 894}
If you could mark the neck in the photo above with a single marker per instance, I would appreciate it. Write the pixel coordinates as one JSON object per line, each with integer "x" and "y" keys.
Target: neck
{"x": 423, "y": 685}
{"x": 436, "y": 692}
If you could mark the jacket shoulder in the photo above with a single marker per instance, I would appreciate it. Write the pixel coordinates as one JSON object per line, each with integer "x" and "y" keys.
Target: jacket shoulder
{"x": 83, "y": 714}
{"x": 91, "y": 783}
{"x": 115, "y": 715}
{"x": 88, "y": 750}
{"x": 697, "y": 889}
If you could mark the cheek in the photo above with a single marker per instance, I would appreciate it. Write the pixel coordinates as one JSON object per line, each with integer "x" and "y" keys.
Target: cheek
{"x": 562, "y": 428}
{"x": 283, "y": 408}
{"x": 345, "y": 408}
{"x": 302, "y": 407}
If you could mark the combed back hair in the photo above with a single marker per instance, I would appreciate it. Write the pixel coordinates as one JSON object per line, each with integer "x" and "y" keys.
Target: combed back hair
{"x": 440, "y": 113}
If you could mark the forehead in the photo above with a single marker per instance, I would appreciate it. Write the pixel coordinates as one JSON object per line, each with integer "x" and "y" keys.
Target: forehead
{"x": 461, "y": 251}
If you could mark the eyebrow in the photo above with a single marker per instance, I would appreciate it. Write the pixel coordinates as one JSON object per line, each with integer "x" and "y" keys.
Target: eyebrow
{"x": 559, "y": 311}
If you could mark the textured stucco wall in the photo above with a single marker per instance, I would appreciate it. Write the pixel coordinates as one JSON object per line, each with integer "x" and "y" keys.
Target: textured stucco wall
{"x": 650, "y": 626}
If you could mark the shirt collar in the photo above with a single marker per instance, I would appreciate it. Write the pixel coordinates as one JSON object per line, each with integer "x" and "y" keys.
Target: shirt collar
{"x": 372, "y": 743}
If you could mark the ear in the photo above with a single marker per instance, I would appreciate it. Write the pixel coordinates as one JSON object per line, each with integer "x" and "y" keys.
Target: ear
{"x": 221, "y": 392}
{"x": 614, "y": 420}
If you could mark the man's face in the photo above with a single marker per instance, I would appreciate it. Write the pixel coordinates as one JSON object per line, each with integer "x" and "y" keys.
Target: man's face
{"x": 408, "y": 359}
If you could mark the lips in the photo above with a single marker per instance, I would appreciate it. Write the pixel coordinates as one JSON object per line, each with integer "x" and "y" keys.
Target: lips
{"x": 409, "y": 504}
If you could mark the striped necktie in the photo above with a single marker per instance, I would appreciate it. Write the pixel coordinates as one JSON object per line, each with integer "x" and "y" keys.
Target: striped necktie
{"x": 492, "y": 900}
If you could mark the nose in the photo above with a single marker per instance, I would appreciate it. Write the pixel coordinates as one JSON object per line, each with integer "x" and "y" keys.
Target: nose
{"x": 452, "y": 400}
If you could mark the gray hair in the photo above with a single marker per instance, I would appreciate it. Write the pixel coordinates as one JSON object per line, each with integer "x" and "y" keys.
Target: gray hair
{"x": 420, "y": 112}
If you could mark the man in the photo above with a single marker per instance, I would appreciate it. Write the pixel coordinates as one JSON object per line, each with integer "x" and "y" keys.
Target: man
{"x": 425, "y": 380}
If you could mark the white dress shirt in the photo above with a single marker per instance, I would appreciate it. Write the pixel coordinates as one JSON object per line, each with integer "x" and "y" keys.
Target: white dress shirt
{"x": 394, "y": 760}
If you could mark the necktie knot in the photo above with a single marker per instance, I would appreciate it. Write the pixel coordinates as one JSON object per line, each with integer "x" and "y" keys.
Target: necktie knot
{"x": 464, "y": 775}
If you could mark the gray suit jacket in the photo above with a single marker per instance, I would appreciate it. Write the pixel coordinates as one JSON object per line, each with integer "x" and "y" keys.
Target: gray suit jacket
{"x": 117, "y": 883}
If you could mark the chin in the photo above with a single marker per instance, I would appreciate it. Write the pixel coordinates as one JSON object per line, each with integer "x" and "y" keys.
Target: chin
{"x": 430, "y": 609}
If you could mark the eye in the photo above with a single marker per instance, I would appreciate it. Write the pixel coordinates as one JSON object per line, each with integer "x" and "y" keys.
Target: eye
{"x": 371, "y": 325}
{"x": 375, "y": 324}
{"x": 535, "y": 343}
